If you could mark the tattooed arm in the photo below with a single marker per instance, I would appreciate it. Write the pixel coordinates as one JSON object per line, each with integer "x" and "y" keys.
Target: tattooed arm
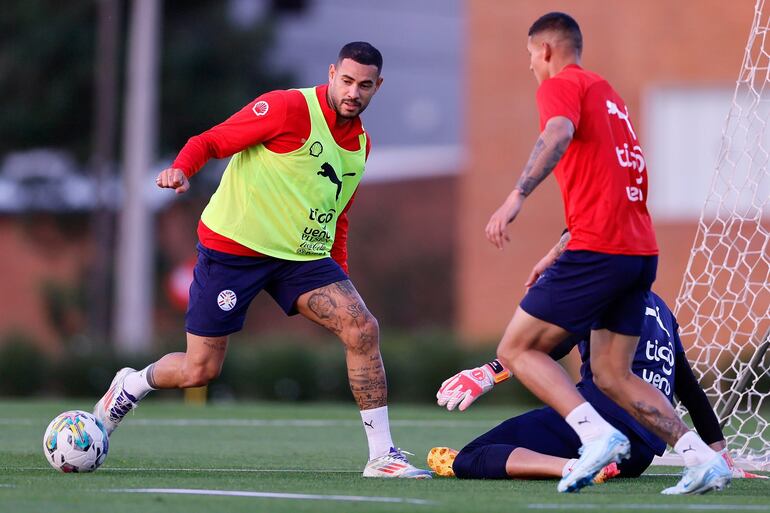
{"x": 548, "y": 150}
{"x": 548, "y": 259}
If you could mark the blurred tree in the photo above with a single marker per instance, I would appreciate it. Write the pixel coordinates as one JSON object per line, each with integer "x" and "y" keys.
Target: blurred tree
{"x": 210, "y": 67}
{"x": 46, "y": 77}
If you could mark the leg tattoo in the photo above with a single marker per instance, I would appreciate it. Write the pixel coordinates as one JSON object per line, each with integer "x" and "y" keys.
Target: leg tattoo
{"x": 325, "y": 307}
{"x": 215, "y": 344}
{"x": 668, "y": 428}
{"x": 340, "y": 309}
{"x": 368, "y": 384}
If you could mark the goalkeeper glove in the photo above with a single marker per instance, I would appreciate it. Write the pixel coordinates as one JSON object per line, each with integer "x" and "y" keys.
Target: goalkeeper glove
{"x": 466, "y": 386}
{"x": 737, "y": 472}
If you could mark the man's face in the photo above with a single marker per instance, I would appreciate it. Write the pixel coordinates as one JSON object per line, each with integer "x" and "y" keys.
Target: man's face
{"x": 538, "y": 55}
{"x": 351, "y": 87}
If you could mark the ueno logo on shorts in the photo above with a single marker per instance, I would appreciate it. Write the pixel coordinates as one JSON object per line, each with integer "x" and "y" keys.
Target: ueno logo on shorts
{"x": 226, "y": 300}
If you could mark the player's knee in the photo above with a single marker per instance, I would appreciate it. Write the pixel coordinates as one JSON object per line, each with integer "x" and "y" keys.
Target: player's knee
{"x": 463, "y": 465}
{"x": 481, "y": 462}
{"x": 363, "y": 336}
{"x": 506, "y": 356}
{"x": 509, "y": 357}
{"x": 607, "y": 382}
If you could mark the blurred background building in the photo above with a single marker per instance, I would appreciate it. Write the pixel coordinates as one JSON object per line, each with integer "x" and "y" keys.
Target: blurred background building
{"x": 451, "y": 127}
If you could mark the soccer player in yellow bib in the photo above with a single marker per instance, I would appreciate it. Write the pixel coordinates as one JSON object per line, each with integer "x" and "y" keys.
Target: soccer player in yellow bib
{"x": 278, "y": 222}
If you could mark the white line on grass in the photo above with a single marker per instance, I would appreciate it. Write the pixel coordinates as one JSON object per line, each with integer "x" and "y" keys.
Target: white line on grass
{"x": 678, "y": 507}
{"x": 273, "y": 495}
{"x": 275, "y": 423}
{"x": 204, "y": 469}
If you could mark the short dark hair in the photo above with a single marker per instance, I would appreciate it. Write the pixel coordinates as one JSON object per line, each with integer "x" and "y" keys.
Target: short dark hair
{"x": 363, "y": 53}
{"x": 559, "y": 22}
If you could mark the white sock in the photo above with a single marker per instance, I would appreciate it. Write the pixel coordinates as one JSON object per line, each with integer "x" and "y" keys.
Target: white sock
{"x": 693, "y": 450}
{"x": 377, "y": 429}
{"x": 587, "y": 422}
{"x": 568, "y": 467}
{"x": 137, "y": 384}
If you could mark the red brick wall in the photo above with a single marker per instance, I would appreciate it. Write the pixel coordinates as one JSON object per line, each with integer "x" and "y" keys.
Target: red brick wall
{"x": 634, "y": 45}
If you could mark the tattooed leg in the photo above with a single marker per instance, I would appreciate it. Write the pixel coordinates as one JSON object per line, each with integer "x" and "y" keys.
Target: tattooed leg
{"x": 611, "y": 357}
{"x": 666, "y": 424}
{"x": 198, "y": 366}
{"x": 339, "y": 308}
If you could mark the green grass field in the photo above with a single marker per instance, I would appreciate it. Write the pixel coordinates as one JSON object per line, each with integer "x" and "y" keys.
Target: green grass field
{"x": 295, "y": 457}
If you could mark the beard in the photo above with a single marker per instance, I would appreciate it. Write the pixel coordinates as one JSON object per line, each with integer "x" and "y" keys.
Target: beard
{"x": 341, "y": 112}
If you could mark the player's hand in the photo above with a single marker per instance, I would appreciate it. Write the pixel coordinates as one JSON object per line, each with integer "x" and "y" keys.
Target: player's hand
{"x": 465, "y": 387}
{"x": 499, "y": 221}
{"x": 737, "y": 472}
{"x": 173, "y": 178}
{"x": 539, "y": 269}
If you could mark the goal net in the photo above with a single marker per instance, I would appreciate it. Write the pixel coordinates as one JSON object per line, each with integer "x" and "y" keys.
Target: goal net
{"x": 724, "y": 301}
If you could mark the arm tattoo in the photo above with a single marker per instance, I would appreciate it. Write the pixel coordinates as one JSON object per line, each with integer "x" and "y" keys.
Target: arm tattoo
{"x": 525, "y": 183}
{"x": 562, "y": 244}
{"x": 543, "y": 159}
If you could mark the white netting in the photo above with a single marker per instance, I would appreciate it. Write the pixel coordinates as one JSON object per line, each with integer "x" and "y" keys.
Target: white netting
{"x": 725, "y": 296}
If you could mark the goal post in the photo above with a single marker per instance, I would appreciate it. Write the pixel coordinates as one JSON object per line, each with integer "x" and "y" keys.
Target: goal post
{"x": 724, "y": 301}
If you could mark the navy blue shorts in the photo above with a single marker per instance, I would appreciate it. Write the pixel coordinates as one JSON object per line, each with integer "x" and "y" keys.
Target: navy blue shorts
{"x": 542, "y": 431}
{"x": 585, "y": 290}
{"x": 224, "y": 285}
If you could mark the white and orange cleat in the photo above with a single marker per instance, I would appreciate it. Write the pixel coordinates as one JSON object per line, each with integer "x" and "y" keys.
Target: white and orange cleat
{"x": 440, "y": 460}
{"x": 394, "y": 464}
{"x": 116, "y": 403}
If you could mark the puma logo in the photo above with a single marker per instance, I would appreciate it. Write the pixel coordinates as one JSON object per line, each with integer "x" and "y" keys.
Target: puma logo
{"x": 327, "y": 171}
{"x": 584, "y": 421}
{"x": 370, "y": 424}
{"x": 688, "y": 449}
{"x": 614, "y": 110}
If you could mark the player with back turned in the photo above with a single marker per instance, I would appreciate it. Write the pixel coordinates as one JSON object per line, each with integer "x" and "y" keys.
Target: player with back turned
{"x": 278, "y": 222}
{"x": 600, "y": 272}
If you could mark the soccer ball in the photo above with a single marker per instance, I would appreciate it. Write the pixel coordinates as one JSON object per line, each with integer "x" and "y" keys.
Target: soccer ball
{"x": 75, "y": 441}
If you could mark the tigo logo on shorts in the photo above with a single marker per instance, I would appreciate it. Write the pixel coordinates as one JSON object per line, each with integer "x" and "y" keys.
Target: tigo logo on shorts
{"x": 226, "y": 300}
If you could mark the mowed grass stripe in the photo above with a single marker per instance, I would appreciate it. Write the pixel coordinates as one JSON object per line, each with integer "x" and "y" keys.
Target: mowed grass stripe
{"x": 201, "y": 469}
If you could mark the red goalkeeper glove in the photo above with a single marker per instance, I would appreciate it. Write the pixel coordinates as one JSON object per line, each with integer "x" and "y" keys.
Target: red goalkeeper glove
{"x": 466, "y": 386}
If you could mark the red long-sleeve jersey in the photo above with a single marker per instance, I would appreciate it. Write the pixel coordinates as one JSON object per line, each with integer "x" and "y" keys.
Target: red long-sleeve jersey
{"x": 280, "y": 120}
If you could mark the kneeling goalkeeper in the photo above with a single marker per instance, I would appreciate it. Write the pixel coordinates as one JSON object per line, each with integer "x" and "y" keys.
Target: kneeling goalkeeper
{"x": 540, "y": 444}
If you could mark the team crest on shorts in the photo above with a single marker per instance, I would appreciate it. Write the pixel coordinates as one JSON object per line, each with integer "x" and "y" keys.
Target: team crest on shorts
{"x": 226, "y": 300}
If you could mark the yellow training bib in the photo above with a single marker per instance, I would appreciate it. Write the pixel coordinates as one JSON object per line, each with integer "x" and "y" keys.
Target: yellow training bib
{"x": 286, "y": 205}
